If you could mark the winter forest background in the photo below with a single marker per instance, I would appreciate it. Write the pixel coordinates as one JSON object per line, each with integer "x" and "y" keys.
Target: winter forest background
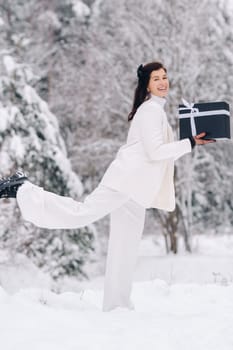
{"x": 67, "y": 77}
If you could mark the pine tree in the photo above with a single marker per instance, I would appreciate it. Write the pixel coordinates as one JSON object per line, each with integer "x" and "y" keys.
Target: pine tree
{"x": 30, "y": 139}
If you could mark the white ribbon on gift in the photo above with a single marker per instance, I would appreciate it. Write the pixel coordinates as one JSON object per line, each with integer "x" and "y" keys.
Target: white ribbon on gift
{"x": 193, "y": 112}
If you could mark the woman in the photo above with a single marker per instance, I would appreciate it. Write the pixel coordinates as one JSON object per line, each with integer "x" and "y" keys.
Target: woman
{"x": 140, "y": 177}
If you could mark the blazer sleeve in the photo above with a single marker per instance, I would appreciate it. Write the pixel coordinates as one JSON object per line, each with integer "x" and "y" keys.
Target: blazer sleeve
{"x": 150, "y": 120}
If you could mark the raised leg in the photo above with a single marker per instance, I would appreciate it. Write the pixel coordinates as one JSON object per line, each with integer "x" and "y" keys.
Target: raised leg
{"x": 48, "y": 210}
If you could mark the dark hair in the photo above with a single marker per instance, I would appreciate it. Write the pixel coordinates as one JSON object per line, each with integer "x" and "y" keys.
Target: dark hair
{"x": 141, "y": 93}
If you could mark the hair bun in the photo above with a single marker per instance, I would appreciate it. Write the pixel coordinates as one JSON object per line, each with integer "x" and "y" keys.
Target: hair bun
{"x": 140, "y": 71}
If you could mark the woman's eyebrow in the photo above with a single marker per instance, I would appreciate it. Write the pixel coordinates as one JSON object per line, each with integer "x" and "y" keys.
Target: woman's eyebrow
{"x": 156, "y": 76}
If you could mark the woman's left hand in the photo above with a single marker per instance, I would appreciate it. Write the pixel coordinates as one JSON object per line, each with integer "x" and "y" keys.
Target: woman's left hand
{"x": 200, "y": 141}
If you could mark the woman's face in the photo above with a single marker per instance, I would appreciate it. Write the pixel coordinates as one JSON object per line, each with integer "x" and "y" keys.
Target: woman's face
{"x": 158, "y": 84}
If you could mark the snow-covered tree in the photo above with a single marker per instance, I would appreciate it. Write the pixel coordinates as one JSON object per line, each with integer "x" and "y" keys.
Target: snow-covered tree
{"x": 30, "y": 139}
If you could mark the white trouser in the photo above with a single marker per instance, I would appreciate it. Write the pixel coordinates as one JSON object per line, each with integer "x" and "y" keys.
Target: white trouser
{"x": 48, "y": 210}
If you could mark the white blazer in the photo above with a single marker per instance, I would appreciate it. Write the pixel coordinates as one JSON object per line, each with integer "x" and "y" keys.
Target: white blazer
{"x": 144, "y": 166}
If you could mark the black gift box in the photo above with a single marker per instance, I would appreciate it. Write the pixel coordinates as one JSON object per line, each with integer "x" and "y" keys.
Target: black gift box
{"x": 211, "y": 117}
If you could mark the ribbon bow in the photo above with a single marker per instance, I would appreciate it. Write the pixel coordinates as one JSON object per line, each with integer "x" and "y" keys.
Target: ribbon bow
{"x": 193, "y": 111}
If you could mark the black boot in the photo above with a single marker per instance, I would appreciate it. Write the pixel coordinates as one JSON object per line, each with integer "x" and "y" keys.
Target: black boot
{"x": 9, "y": 185}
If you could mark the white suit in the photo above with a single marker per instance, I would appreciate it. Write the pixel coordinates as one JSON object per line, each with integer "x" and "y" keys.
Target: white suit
{"x": 141, "y": 176}
{"x": 144, "y": 166}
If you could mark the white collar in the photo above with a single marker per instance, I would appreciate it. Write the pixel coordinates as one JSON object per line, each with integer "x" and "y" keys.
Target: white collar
{"x": 160, "y": 100}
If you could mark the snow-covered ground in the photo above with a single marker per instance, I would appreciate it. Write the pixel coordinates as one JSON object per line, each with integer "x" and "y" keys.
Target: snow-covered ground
{"x": 181, "y": 302}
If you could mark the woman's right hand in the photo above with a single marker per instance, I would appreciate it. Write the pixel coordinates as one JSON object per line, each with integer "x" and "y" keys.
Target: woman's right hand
{"x": 199, "y": 139}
